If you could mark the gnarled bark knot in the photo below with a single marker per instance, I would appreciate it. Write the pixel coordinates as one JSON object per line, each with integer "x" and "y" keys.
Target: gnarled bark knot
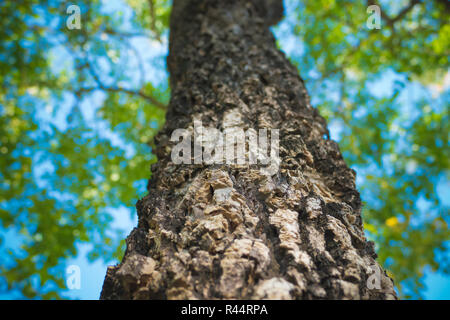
{"x": 227, "y": 231}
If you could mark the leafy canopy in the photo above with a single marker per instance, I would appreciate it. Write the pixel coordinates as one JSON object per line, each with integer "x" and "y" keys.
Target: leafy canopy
{"x": 79, "y": 109}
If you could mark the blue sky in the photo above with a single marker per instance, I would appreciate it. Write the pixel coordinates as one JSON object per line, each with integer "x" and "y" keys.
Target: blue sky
{"x": 438, "y": 285}
{"x": 92, "y": 274}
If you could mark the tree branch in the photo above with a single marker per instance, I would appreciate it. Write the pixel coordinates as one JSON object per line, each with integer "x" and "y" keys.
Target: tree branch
{"x": 391, "y": 21}
{"x": 153, "y": 20}
{"x": 405, "y": 10}
{"x": 446, "y": 4}
{"x": 139, "y": 93}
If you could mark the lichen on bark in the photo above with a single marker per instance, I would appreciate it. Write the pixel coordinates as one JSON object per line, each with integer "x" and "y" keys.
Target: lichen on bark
{"x": 222, "y": 231}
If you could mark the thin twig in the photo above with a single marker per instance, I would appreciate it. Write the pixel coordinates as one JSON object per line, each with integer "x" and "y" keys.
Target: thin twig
{"x": 139, "y": 93}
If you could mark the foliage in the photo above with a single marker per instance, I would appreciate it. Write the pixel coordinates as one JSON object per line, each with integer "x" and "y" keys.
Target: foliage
{"x": 79, "y": 108}
{"x": 383, "y": 89}
{"x": 74, "y": 140}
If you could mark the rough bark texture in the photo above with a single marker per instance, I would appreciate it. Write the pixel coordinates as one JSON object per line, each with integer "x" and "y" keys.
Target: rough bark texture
{"x": 228, "y": 231}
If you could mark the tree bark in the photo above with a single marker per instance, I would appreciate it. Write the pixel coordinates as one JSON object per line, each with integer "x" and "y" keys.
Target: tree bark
{"x": 224, "y": 231}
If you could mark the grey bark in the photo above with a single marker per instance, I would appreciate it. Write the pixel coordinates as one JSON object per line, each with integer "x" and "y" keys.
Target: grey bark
{"x": 228, "y": 231}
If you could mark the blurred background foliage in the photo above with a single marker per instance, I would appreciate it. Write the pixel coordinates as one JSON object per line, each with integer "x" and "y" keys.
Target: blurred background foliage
{"x": 79, "y": 109}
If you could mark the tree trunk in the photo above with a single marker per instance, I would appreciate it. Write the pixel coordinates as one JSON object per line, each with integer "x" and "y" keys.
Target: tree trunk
{"x": 221, "y": 231}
